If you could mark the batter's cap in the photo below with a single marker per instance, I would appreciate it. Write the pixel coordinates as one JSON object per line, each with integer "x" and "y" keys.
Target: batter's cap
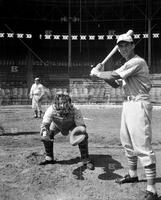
{"x": 37, "y": 79}
{"x": 124, "y": 38}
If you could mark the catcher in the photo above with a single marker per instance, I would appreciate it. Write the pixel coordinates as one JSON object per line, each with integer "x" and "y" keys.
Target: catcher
{"x": 37, "y": 91}
{"x": 62, "y": 116}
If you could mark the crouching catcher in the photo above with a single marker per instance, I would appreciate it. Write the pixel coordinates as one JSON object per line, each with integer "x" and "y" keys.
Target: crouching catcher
{"x": 62, "y": 116}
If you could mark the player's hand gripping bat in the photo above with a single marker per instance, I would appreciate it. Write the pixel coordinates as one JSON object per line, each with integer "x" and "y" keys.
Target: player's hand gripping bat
{"x": 113, "y": 51}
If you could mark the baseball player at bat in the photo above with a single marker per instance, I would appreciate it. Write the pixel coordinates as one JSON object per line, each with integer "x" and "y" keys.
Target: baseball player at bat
{"x": 65, "y": 118}
{"x": 135, "y": 132}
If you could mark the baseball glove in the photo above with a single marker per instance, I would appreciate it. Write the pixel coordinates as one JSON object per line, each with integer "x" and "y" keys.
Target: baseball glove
{"x": 77, "y": 135}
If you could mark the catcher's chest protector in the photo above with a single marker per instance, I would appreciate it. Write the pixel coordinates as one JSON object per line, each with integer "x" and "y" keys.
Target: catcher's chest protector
{"x": 64, "y": 123}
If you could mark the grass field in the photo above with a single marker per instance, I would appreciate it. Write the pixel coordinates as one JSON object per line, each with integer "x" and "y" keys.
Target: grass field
{"x": 21, "y": 178}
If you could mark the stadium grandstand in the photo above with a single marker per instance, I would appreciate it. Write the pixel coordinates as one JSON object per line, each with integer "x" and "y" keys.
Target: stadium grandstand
{"x": 59, "y": 41}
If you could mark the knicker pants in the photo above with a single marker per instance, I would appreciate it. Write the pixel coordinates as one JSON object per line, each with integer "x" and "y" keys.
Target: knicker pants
{"x": 135, "y": 133}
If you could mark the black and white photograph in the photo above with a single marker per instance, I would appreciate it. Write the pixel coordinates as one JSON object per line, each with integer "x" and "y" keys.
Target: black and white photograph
{"x": 80, "y": 100}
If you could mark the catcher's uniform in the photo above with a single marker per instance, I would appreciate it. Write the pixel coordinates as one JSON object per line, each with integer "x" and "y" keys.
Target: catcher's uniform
{"x": 36, "y": 92}
{"x": 67, "y": 119}
{"x": 136, "y": 131}
{"x": 53, "y": 121}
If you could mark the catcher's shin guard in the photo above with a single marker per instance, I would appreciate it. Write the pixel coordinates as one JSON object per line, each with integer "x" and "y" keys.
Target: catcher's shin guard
{"x": 86, "y": 161}
{"x": 83, "y": 148}
{"x": 49, "y": 149}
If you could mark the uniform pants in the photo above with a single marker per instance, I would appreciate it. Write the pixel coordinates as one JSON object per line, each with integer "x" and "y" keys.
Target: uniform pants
{"x": 36, "y": 104}
{"x": 83, "y": 146}
{"x": 136, "y": 134}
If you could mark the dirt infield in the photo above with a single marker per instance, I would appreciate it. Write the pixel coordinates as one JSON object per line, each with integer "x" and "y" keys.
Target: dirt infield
{"x": 21, "y": 178}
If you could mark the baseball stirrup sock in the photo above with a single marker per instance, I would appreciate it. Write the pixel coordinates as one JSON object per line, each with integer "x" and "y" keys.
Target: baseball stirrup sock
{"x": 132, "y": 162}
{"x": 48, "y": 148}
{"x": 150, "y": 171}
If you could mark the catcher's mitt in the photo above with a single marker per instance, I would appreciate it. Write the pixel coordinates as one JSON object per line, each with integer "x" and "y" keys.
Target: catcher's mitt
{"x": 77, "y": 135}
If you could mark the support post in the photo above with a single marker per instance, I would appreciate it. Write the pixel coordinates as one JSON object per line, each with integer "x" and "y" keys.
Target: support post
{"x": 149, "y": 33}
{"x": 69, "y": 37}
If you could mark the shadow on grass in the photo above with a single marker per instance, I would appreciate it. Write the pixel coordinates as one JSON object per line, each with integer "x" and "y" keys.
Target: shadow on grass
{"x": 106, "y": 162}
{"x": 158, "y": 180}
{"x": 141, "y": 195}
{"x": 78, "y": 172}
{"x": 69, "y": 162}
{"x": 20, "y": 133}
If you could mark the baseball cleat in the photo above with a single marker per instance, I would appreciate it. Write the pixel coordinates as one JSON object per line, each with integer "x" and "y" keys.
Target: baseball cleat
{"x": 47, "y": 162}
{"x": 150, "y": 196}
{"x": 89, "y": 165}
{"x": 127, "y": 179}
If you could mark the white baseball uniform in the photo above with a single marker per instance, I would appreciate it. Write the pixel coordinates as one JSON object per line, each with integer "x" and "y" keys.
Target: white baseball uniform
{"x": 136, "y": 131}
{"x": 36, "y": 92}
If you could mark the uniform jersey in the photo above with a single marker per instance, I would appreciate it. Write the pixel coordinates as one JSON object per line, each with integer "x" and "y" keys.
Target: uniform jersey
{"x": 52, "y": 115}
{"x": 37, "y": 89}
{"x": 135, "y": 130}
{"x": 36, "y": 92}
{"x": 135, "y": 74}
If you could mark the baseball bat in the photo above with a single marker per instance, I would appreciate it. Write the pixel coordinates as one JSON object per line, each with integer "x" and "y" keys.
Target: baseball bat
{"x": 114, "y": 50}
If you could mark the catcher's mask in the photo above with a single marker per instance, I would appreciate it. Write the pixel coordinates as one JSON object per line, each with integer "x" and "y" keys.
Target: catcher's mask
{"x": 63, "y": 103}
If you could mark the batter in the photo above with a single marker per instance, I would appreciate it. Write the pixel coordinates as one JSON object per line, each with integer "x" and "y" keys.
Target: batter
{"x": 136, "y": 134}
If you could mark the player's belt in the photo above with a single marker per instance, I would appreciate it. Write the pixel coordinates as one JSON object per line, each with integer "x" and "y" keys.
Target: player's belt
{"x": 130, "y": 98}
{"x": 136, "y": 98}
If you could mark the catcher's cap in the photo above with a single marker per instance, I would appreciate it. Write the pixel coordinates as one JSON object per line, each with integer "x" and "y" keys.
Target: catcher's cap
{"x": 124, "y": 38}
{"x": 77, "y": 135}
{"x": 37, "y": 79}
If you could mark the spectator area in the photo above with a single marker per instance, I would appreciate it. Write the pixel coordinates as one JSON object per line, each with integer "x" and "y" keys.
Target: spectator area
{"x": 82, "y": 90}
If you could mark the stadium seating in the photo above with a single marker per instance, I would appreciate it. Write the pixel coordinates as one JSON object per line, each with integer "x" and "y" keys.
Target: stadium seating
{"x": 58, "y": 77}
{"x": 89, "y": 92}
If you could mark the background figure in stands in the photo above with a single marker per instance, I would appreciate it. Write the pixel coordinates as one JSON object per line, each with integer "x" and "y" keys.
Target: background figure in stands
{"x": 37, "y": 92}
